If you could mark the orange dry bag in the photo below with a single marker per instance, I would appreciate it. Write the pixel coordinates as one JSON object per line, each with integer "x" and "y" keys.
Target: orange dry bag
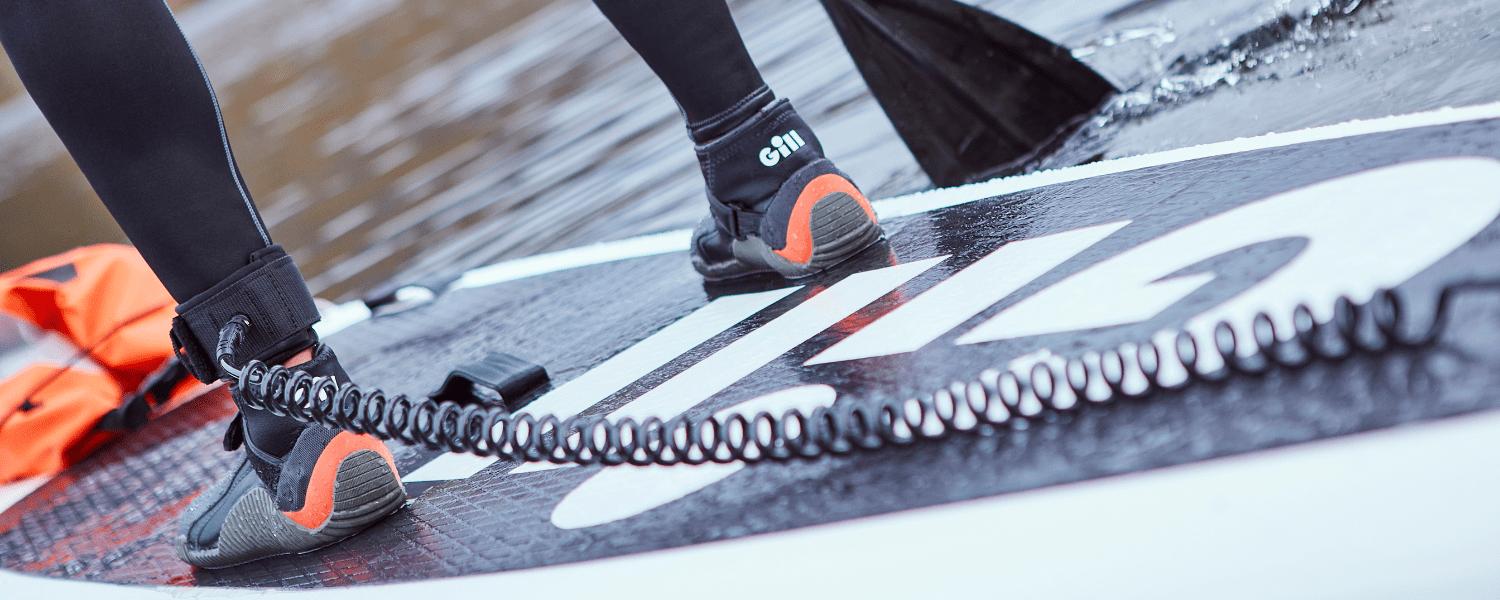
{"x": 78, "y": 333}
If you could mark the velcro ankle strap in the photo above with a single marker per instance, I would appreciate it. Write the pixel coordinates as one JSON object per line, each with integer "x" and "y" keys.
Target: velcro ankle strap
{"x": 740, "y": 223}
{"x": 270, "y": 292}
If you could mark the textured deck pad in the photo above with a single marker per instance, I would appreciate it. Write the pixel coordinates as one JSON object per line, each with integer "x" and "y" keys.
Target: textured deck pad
{"x": 1021, "y": 278}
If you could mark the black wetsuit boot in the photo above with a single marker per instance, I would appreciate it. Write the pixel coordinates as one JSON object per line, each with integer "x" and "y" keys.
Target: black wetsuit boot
{"x": 302, "y": 488}
{"x": 776, "y": 204}
{"x": 297, "y": 486}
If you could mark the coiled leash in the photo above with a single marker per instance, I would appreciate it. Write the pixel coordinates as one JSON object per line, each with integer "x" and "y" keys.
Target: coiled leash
{"x": 996, "y": 397}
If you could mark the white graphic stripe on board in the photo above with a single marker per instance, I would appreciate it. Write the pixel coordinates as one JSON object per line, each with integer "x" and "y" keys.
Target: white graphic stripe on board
{"x": 1365, "y": 231}
{"x": 711, "y": 375}
{"x": 960, "y": 297}
{"x": 582, "y": 256}
{"x": 619, "y": 371}
{"x": 615, "y": 494}
{"x": 759, "y": 347}
{"x": 653, "y": 352}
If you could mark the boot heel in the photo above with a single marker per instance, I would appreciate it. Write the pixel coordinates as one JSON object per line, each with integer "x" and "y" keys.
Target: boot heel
{"x": 365, "y": 491}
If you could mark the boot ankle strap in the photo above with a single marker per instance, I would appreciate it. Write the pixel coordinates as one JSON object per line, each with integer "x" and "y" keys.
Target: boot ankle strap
{"x": 740, "y": 222}
{"x": 270, "y": 292}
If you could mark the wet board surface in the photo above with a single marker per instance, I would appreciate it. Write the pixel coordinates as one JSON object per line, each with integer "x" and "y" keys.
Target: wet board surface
{"x": 1048, "y": 271}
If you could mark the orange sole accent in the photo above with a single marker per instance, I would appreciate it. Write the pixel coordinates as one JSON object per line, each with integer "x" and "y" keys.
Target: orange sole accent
{"x": 799, "y": 242}
{"x": 318, "y": 504}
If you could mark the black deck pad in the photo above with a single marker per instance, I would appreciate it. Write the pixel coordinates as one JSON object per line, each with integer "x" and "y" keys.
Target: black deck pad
{"x": 111, "y": 517}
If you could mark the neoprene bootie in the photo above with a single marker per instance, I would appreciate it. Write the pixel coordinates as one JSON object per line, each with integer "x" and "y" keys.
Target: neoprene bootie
{"x": 775, "y": 203}
{"x": 296, "y": 487}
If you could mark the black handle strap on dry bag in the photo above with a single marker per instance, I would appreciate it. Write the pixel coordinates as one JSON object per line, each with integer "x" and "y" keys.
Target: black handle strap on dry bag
{"x": 136, "y": 409}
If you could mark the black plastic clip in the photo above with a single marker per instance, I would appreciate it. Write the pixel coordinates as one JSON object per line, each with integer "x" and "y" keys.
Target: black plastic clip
{"x": 136, "y": 408}
{"x": 497, "y": 380}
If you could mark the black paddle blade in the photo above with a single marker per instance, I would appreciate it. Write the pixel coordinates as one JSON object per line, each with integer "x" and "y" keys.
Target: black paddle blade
{"x": 971, "y": 94}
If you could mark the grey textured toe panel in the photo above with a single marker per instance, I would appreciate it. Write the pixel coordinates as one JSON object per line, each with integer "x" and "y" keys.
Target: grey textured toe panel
{"x": 365, "y": 490}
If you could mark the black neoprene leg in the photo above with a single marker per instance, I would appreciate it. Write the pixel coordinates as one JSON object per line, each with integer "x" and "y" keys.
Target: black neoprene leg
{"x": 119, "y": 84}
{"x": 694, "y": 47}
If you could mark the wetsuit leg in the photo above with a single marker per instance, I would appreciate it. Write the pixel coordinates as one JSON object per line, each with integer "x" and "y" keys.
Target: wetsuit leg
{"x": 696, "y": 50}
{"x": 120, "y": 85}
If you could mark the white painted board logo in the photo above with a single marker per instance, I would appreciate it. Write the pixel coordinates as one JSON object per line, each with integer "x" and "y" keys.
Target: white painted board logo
{"x": 1362, "y": 232}
{"x": 781, "y": 145}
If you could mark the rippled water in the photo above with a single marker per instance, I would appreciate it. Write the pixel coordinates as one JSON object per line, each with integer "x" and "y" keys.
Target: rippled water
{"x": 390, "y": 139}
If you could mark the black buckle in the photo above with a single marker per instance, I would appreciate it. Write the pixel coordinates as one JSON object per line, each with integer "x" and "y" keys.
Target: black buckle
{"x": 741, "y": 223}
{"x": 135, "y": 410}
{"x": 497, "y": 380}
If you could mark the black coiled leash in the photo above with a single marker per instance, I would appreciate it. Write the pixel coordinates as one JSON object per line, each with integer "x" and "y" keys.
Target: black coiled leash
{"x": 996, "y": 397}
